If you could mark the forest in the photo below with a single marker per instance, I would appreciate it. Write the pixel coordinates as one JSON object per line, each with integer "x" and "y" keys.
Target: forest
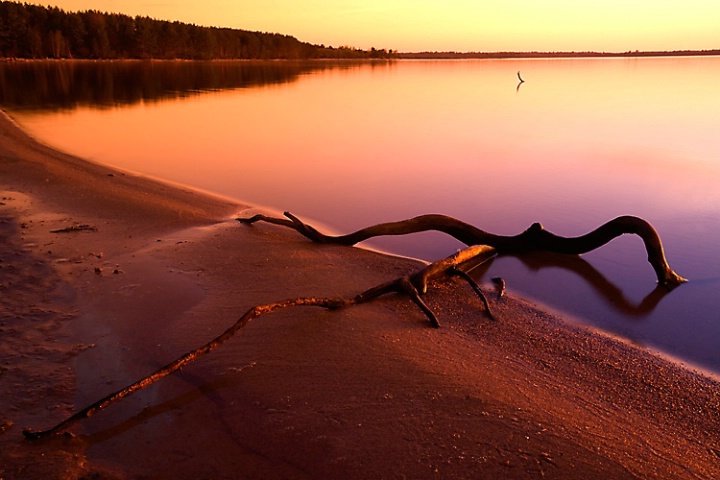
{"x": 32, "y": 31}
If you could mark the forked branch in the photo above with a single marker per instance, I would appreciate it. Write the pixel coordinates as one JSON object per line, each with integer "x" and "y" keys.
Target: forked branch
{"x": 414, "y": 285}
{"x": 535, "y": 238}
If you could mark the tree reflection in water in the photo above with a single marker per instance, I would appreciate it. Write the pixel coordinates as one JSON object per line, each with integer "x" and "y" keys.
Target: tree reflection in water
{"x": 58, "y": 85}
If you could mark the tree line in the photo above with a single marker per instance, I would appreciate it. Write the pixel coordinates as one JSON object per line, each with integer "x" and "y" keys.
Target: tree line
{"x": 32, "y": 31}
{"x": 504, "y": 55}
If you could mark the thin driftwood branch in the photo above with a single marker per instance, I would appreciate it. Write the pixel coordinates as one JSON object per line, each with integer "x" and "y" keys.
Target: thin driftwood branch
{"x": 466, "y": 276}
{"x": 414, "y": 285}
{"x": 535, "y": 238}
{"x": 104, "y": 402}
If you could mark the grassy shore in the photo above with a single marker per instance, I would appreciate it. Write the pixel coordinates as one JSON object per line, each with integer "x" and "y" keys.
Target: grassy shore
{"x": 366, "y": 392}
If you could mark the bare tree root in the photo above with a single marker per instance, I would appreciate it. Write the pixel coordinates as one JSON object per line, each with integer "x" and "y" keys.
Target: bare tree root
{"x": 414, "y": 285}
{"x": 535, "y": 238}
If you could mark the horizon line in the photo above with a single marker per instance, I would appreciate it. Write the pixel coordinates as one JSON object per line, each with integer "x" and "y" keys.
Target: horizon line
{"x": 536, "y": 53}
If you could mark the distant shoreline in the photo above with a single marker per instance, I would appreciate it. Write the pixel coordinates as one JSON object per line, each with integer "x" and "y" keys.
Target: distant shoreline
{"x": 529, "y": 55}
{"x": 416, "y": 56}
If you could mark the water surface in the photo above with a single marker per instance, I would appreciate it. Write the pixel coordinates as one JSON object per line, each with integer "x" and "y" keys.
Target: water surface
{"x": 580, "y": 142}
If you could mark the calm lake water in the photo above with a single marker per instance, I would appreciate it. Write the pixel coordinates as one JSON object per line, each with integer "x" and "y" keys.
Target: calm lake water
{"x": 352, "y": 144}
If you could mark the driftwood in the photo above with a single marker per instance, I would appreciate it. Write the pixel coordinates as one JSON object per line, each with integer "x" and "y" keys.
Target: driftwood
{"x": 413, "y": 285}
{"x": 534, "y": 239}
{"x": 481, "y": 247}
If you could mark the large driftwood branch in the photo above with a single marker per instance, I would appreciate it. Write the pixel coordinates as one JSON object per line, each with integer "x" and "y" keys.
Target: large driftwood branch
{"x": 414, "y": 285}
{"x": 535, "y": 238}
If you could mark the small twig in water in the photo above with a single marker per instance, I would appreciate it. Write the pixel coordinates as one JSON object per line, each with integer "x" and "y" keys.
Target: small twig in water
{"x": 500, "y": 286}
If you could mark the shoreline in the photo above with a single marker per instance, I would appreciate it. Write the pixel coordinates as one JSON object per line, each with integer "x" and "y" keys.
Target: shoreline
{"x": 365, "y": 392}
{"x": 424, "y": 55}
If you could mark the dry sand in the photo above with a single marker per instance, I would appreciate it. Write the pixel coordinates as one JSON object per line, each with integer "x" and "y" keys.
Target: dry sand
{"x": 366, "y": 392}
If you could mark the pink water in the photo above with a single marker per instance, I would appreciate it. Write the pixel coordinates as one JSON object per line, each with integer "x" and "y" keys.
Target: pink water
{"x": 579, "y": 143}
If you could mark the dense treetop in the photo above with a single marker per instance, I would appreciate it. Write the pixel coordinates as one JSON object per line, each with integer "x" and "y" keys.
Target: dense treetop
{"x": 31, "y": 31}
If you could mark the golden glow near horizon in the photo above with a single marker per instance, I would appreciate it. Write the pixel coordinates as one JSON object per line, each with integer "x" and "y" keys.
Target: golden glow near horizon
{"x": 452, "y": 25}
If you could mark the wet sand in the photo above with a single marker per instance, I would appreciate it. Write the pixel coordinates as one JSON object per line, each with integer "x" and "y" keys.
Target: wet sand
{"x": 366, "y": 392}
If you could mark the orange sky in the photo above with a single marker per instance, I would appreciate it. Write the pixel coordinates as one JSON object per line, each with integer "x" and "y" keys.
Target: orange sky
{"x": 452, "y": 25}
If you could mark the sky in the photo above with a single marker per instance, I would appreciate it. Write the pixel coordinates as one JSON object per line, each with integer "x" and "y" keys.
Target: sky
{"x": 450, "y": 25}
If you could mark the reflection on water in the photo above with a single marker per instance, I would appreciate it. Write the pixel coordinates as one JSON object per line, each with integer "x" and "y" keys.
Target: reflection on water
{"x": 579, "y": 143}
{"x": 583, "y": 270}
{"x": 65, "y": 85}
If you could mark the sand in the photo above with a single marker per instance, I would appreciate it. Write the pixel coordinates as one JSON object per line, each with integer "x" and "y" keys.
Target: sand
{"x": 366, "y": 392}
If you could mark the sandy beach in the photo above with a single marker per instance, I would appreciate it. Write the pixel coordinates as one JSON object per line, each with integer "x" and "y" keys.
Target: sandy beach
{"x": 152, "y": 270}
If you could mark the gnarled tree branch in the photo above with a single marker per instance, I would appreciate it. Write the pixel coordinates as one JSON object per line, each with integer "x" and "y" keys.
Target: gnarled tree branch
{"x": 482, "y": 246}
{"x": 535, "y": 238}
